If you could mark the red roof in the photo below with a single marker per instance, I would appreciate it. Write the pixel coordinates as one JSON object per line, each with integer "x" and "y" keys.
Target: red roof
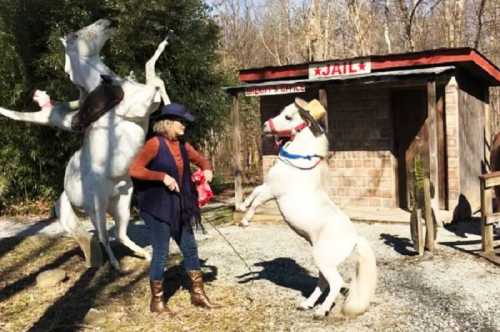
{"x": 467, "y": 58}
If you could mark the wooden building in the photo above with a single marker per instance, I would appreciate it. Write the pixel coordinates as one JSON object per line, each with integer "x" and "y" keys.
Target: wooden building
{"x": 389, "y": 116}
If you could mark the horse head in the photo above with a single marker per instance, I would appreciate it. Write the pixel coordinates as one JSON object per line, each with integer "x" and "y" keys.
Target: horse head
{"x": 89, "y": 41}
{"x": 295, "y": 117}
{"x": 82, "y": 48}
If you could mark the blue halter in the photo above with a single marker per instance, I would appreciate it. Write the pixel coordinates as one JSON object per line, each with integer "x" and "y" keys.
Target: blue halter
{"x": 285, "y": 154}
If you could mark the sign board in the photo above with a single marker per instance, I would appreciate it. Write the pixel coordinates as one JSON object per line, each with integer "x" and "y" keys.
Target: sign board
{"x": 339, "y": 68}
{"x": 274, "y": 90}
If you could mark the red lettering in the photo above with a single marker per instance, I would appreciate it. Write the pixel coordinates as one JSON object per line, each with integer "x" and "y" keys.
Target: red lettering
{"x": 326, "y": 71}
{"x": 317, "y": 71}
{"x": 351, "y": 69}
{"x": 337, "y": 70}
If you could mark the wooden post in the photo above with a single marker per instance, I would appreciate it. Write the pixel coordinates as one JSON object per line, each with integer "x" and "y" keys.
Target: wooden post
{"x": 486, "y": 192}
{"x": 323, "y": 99}
{"x": 487, "y": 136}
{"x": 486, "y": 210}
{"x": 432, "y": 126}
{"x": 238, "y": 183}
{"x": 416, "y": 229}
{"x": 429, "y": 221}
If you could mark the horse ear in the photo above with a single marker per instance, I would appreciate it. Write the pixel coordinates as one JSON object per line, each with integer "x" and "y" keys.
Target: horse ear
{"x": 314, "y": 125}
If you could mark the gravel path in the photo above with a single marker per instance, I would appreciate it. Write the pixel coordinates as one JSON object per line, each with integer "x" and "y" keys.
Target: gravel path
{"x": 451, "y": 290}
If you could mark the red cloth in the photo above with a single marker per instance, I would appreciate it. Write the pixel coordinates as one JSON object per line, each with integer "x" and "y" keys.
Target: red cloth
{"x": 138, "y": 168}
{"x": 204, "y": 191}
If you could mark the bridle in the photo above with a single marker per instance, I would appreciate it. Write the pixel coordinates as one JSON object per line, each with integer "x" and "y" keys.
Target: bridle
{"x": 286, "y": 156}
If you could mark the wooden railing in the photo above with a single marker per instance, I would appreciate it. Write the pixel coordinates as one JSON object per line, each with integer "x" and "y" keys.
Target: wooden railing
{"x": 488, "y": 217}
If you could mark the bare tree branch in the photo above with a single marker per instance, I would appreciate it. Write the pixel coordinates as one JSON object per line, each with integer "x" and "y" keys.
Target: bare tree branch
{"x": 480, "y": 11}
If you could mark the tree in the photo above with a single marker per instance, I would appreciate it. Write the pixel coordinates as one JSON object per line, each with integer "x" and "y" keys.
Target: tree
{"x": 33, "y": 158}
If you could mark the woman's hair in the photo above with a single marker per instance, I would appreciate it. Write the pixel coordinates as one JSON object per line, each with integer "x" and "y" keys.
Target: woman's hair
{"x": 164, "y": 127}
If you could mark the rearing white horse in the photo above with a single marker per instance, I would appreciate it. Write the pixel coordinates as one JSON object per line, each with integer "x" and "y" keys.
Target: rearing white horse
{"x": 96, "y": 180}
{"x": 297, "y": 182}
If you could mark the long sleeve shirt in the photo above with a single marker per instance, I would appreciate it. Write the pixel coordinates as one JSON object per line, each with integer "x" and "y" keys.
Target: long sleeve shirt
{"x": 139, "y": 170}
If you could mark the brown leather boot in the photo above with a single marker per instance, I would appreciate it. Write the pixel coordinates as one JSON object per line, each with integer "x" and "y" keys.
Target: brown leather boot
{"x": 198, "y": 296}
{"x": 157, "y": 304}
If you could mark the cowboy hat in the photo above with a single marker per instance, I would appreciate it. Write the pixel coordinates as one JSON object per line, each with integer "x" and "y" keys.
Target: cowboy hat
{"x": 314, "y": 107}
{"x": 173, "y": 111}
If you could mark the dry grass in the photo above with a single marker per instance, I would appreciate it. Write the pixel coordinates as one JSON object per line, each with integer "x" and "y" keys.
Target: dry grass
{"x": 102, "y": 299}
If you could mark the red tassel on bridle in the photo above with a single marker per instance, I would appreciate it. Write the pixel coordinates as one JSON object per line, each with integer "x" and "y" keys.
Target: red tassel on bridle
{"x": 287, "y": 133}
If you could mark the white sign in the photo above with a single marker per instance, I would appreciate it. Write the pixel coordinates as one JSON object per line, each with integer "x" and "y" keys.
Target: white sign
{"x": 274, "y": 90}
{"x": 339, "y": 68}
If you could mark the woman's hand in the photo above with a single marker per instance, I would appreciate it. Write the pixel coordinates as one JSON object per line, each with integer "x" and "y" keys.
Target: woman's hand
{"x": 209, "y": 175}
{"x": 170, "y": 183}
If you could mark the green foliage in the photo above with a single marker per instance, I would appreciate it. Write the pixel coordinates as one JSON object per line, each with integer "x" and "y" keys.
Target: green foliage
{"x": 33, "y": 158}
{"x": 219, "y": 184}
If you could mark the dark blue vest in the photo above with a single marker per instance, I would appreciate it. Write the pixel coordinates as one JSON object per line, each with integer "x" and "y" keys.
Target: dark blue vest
{"x": 156, "y": 199}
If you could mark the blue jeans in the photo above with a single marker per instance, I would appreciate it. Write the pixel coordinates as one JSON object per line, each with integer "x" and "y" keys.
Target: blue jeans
{"x": 160, "y": 238}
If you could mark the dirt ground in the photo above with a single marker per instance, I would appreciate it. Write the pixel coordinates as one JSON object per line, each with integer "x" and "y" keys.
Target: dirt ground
{"x": 450, "y": 290}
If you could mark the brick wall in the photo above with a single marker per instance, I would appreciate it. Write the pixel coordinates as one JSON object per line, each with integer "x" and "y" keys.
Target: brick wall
{"x": 363, "y": 178}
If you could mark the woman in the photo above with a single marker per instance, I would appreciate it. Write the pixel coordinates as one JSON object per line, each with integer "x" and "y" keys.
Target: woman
{"x": 167, "y": 200}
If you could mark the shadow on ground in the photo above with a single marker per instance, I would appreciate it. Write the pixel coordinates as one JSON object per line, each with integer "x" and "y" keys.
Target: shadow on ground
{"x": 284, "y": 272}
{"x": 401, "y": 245}
{"x": 463, "y": 227}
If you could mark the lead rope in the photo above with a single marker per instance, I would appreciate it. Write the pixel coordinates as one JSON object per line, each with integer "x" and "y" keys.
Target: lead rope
{"x": 249, "y": 296}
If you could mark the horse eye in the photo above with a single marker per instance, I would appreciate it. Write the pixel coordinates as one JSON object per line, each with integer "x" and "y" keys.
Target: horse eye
{"x": 288, "y": 117}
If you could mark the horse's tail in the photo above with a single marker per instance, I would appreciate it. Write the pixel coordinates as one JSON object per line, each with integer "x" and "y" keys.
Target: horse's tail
{"x": 362, "y": 287}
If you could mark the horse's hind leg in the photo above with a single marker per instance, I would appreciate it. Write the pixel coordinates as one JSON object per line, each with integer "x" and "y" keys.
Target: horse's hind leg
{"x": 322, "y": 254}
{"x": 97, "y": 212}
{"x": 119, "y": 208}
{"x": 70, "y": 223}
{"x": 318, "y": 290}
{"x": 259, "y": 196}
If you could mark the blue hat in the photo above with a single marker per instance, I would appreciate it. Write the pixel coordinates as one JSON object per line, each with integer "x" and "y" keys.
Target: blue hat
{"x": 173, "y": 111}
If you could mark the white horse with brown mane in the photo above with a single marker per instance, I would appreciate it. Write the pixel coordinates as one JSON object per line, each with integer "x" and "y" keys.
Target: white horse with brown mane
{"x": 96, "y": 179}
{"x": 297, "y": 182}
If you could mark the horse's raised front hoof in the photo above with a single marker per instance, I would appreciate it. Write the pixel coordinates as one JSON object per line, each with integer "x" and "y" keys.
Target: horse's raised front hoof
{"x": 243, "y": 223}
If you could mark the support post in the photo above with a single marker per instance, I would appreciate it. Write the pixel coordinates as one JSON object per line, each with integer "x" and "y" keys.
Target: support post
{"x": 486, "y": 210}
{"x": 486, "y": 192}
{"x": 429, "y": 220}
{"x": 323, "y": 99}
{"x": 432, "y": 125}
{"x": 237, "y": 167}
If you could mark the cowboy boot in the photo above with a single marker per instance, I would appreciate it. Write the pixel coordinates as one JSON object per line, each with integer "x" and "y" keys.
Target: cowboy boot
{"x": 157, "y": 304}
{"x": 198, "y": 296}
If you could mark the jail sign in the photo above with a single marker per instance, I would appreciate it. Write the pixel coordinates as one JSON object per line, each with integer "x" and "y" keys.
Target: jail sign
{"x": 339, "y": 68}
